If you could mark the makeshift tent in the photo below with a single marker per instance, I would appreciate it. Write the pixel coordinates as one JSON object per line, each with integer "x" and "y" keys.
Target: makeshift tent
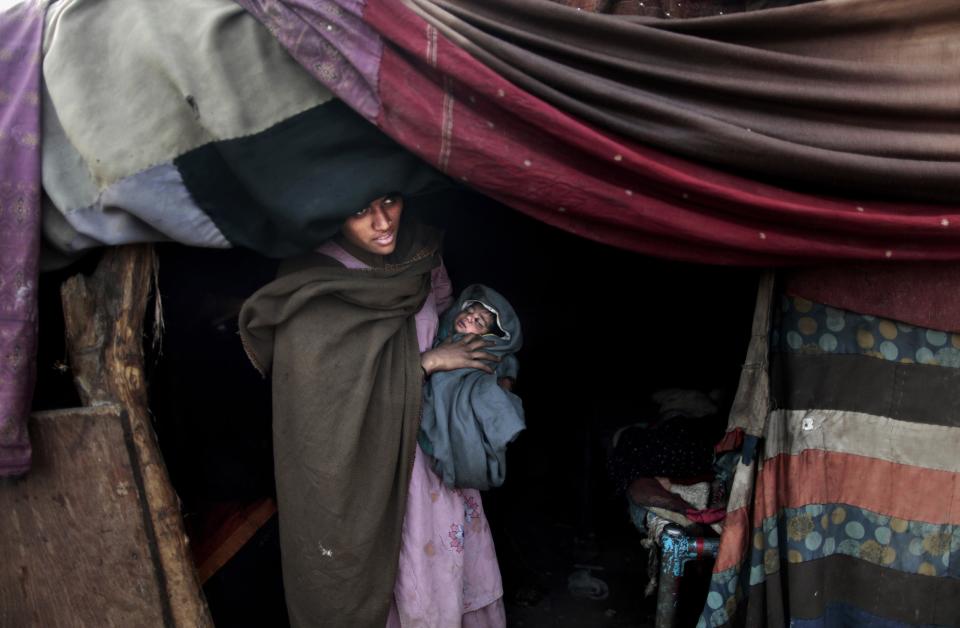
{"x": 814, "y": 133}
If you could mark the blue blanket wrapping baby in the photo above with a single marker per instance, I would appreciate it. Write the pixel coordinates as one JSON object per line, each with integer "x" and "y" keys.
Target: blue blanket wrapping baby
{"x": 468, "y": 419}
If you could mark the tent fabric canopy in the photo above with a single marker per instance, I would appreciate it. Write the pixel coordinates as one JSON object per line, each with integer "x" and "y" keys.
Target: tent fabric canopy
{"x": 846, "y": 95}
{"x": 496, "y": 135}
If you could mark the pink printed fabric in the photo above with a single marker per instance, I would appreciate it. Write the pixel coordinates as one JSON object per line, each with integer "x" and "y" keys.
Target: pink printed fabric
{"x": 448, "y": 574}
{"x": 21, "y": 30}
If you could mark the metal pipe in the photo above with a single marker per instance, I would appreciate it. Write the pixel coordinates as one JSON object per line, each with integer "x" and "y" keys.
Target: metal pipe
{"x": 676, "y": 549}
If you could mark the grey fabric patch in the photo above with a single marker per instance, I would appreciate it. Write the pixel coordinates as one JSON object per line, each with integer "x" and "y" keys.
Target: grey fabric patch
{"x": 189, "y": 74}
{"x": 151, "y": 206}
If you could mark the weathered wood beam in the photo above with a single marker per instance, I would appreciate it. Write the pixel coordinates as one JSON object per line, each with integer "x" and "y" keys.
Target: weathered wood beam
{"x": 76, "y": 542}
{"x": 103, "y": 318}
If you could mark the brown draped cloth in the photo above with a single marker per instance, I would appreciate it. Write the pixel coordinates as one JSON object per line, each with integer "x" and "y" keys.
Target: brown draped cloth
{"x": 857, "y": 96}
{"x": 342, "y": 348}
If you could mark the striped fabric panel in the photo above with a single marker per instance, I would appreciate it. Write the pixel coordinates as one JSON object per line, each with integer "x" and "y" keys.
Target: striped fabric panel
{"x": 877, "y": 437}
{"x": 734, "y": 541}
{"x": 840, "y": 614}
{"x": 918, "y": 294}
{"x": 912, "y": 392}
{"x": 903, "y": 491}
{"x": 817, "y": 531}
{"x": 805, "y": 591}
{"x": 740, "y": 531}
{"x": 813, "y": 328}
{"x": 822, "y": 477}
{"x": 854, "y": 517}
{"x": 735, "y": 537}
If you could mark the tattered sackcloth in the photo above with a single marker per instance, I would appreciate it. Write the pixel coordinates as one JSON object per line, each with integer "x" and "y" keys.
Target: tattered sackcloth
{"x": 342, "y": 347}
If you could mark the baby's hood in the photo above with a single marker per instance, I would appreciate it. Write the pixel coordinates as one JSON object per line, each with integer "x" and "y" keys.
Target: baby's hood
{"x": 506, "y": 317}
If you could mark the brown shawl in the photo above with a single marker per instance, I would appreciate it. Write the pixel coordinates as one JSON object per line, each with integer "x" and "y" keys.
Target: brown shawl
{"x": 342, "y": 347}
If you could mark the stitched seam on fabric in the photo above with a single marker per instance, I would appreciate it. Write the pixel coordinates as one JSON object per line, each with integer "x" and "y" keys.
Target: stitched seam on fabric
{"x": 180, "y": 151}
{"x": 446, "y": 135}
{"x": 98, "y": 206}
{"x": 432, "y": 45}
{"x": 486, "y": 604}
{"x": 424, "y": 252}
{"x": 896, "y": 428}
{"x": 252, "y": 357}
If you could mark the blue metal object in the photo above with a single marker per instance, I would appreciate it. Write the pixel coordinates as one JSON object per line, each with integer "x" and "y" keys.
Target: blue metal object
{"x": 676, "y": 550}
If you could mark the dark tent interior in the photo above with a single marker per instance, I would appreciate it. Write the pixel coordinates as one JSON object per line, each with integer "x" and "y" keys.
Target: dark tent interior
{"x": 604, "y": 329}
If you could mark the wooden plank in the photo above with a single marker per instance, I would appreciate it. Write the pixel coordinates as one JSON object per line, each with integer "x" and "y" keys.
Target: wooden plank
{"x": 103, "y": 320}
{"x": 230, "y": 534}
{"x": 74, "y": 534}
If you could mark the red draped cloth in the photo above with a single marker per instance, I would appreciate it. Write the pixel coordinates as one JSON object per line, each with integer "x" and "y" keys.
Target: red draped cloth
{"x": 483, "y": 130}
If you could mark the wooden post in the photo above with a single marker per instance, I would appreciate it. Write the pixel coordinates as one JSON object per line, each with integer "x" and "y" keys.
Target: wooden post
{"x": 103, "y": 318}
{"x": 77, "y": 541}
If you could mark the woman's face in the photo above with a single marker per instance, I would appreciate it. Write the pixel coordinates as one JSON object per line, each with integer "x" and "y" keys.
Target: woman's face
{"x": 374, "y": 228}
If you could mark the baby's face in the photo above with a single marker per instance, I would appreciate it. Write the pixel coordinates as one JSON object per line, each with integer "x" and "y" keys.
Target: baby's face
{"x": 474, "y": 319}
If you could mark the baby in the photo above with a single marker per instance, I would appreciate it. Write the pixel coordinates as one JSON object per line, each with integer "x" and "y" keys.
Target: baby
{"x": 476, "y": 318}
{"x": 480, "y": 319}
{"x": 469, "y": 415}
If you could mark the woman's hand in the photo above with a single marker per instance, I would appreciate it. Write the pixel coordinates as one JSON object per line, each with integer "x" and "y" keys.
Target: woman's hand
{"x": 467, "y": 352}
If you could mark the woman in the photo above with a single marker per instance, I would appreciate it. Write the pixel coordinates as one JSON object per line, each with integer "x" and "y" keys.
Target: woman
{"x": 347, "y": 334}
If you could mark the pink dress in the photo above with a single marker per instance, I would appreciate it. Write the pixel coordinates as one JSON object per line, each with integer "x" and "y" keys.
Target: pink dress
{"x": 448, "y": 574}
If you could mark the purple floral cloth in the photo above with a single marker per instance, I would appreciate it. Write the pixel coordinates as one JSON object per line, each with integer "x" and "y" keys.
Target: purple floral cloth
{"x": 330, "y": 39}
{"x": 21, "y": 30}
